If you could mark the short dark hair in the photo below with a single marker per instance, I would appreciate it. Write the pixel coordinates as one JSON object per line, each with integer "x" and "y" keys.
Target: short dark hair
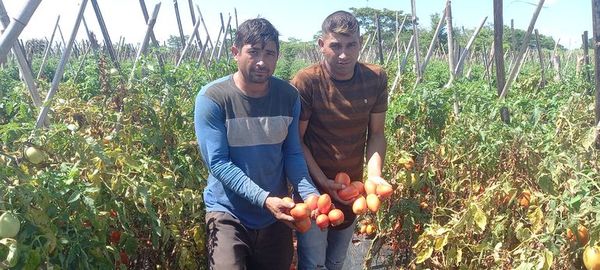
{"x": 340, "y": 22}
{"x": 256, "y": 31}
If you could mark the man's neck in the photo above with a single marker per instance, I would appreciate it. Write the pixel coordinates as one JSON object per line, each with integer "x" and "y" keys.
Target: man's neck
{"x": 338, "y": 76}
{"x": 250, "y": 89}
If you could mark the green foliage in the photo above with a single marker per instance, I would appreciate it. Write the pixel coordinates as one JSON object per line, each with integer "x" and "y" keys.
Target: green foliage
{"x": 289, "y": 63}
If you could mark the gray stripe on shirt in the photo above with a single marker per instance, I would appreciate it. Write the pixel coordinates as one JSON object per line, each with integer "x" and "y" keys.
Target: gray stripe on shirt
{"x": 251, "y": 131}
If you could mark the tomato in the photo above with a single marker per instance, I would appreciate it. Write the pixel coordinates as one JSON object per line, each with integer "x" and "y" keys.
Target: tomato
{"x": 336, "y": 217}
{"x": 360, "y": 186}
{"x": 124, "y": 258}
{"x": 373, "y": 202}
{"x": 342, "y": 178}
{"x": 324, "y": 203}
{"x": 115, "y": 237}
{"x": 591, "y": 257}
{"x": 34, "y": 155}
{"x": 525, "y": 198}
{"x": 370, "y": 229}
{"x": 303, "y": 225}
{"x": 300, "y": 211}
{"x": 113, "y": 213}
{"x": 9, "y": 225}
{"x": 348, "y": 193}
{"x": 583, "y": 235}
{"x": 323, "y": 221}
{"x": 359, "y": 206}
{"x": 311, "y": 201}
{"x": 384, "y": 191}
{"x": 370, "y": 187}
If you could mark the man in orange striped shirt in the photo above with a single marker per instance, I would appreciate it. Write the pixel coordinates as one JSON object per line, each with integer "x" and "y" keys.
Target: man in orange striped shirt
{"x": 341, "y": 124}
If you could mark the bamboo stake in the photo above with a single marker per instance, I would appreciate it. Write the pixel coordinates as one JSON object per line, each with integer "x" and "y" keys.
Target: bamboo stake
{"x": 16, "y": 26}
{"x": 181, "y": 36}
{"x": 193, "y": 15}
{"x": 596, "y": 34}
{"x": 60, "y": 69}
{"x": 416, "y": 43}
{"x": 364, "y": 47}
{"x": 449, "y": 28}
{"x": 465, "y": 53}
{"x": 541, "y": 59}
{"x": 214, "y": 48}
{"x": 144, "y": 45}
{"x": 379, "y": 41}
{"x": 224, "y": 43}
{"x": 107, "y": 41}
{"x": 438, "y": 28}
{"x": 513, "y": 74}
{"x": 48, "y": 47}
{"x": 208, "y": 40}
{"x": 23, "y": 65}
{"x": 586, "y": 57}
{"x": 187, "y": 44}
{"x": 159, "y": 56}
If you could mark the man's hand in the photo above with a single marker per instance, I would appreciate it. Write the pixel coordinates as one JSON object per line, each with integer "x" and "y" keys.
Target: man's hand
{"x": 331, "y": 187}
{"x": 280, "y": 209}
{"x": 378, "y": 180}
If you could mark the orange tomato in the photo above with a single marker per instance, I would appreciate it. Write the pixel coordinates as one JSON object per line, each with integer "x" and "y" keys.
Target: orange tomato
{"x": 359, "y": 206}
{"x": 348, "y": 193}
{"x": 525, "y": 198}
{"x": 359, "y": 186}
{"x": 373, "y": 202}
{"x": 370, "y": 187}
{"x": 322, "y": 221}
{"x": 370, "y": 229}
{"x": 342, "y": 178}
{"x": 583, "y": 235}
{"x": 300, "y": 211}
{"x": 363, "y": 228}
{"x": 311, "y": 201}
{"x": 336, "y": 217}
{"x": 303, "y": 225}
{"x": 324, "y": 203}
{"x": 384, "y": 191}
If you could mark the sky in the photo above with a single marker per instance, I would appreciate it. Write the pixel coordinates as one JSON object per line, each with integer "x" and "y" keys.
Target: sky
{"x": 300, "y": 19}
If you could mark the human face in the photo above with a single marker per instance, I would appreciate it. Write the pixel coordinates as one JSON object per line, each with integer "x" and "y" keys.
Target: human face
{"x": 340, "y": 53}
{"x": 256, "y": 62}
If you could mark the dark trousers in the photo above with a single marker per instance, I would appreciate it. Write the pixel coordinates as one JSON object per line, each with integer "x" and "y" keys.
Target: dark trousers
{"x": 233, "y": 246}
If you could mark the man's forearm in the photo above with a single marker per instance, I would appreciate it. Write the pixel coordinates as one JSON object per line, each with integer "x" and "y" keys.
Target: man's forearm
{"x": 376, "y": 146}
{"x": 315, "y": 171}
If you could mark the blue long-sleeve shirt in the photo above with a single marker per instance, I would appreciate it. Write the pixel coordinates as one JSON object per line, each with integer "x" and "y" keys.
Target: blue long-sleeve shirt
{"x": 251, "y": 146}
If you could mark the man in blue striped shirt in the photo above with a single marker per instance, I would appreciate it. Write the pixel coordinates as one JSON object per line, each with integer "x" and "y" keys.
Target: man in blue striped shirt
{"x": 247, "y": 130}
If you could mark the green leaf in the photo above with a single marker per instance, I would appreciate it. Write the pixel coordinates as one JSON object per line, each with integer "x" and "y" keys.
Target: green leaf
{"x": 545, "y": 260}
{"x": 546, "y": 184}
{"x": 440, "y": 242}
{"x": 480, "y": 219}
{"x": 424, "y": 254}
{"x": 536, "y": 217}
{"x": 74, "y": 197}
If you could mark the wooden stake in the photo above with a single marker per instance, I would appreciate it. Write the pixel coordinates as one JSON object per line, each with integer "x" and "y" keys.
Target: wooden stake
{"x": 107, "y": 41}
{"x": 416, "y": 44}
{"x": 542, "y": 82}
{"x": 596, "y": 33}
{"x": 60, "y": 69}
{"x": 23, "y": 65}
{"x": 438, "y": 28}
{"x": 513, "y": 74}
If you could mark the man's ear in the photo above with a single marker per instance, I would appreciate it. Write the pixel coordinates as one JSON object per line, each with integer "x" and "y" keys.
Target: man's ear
{"x": 234, "y": 51}
{"x": 321, "y": 43}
